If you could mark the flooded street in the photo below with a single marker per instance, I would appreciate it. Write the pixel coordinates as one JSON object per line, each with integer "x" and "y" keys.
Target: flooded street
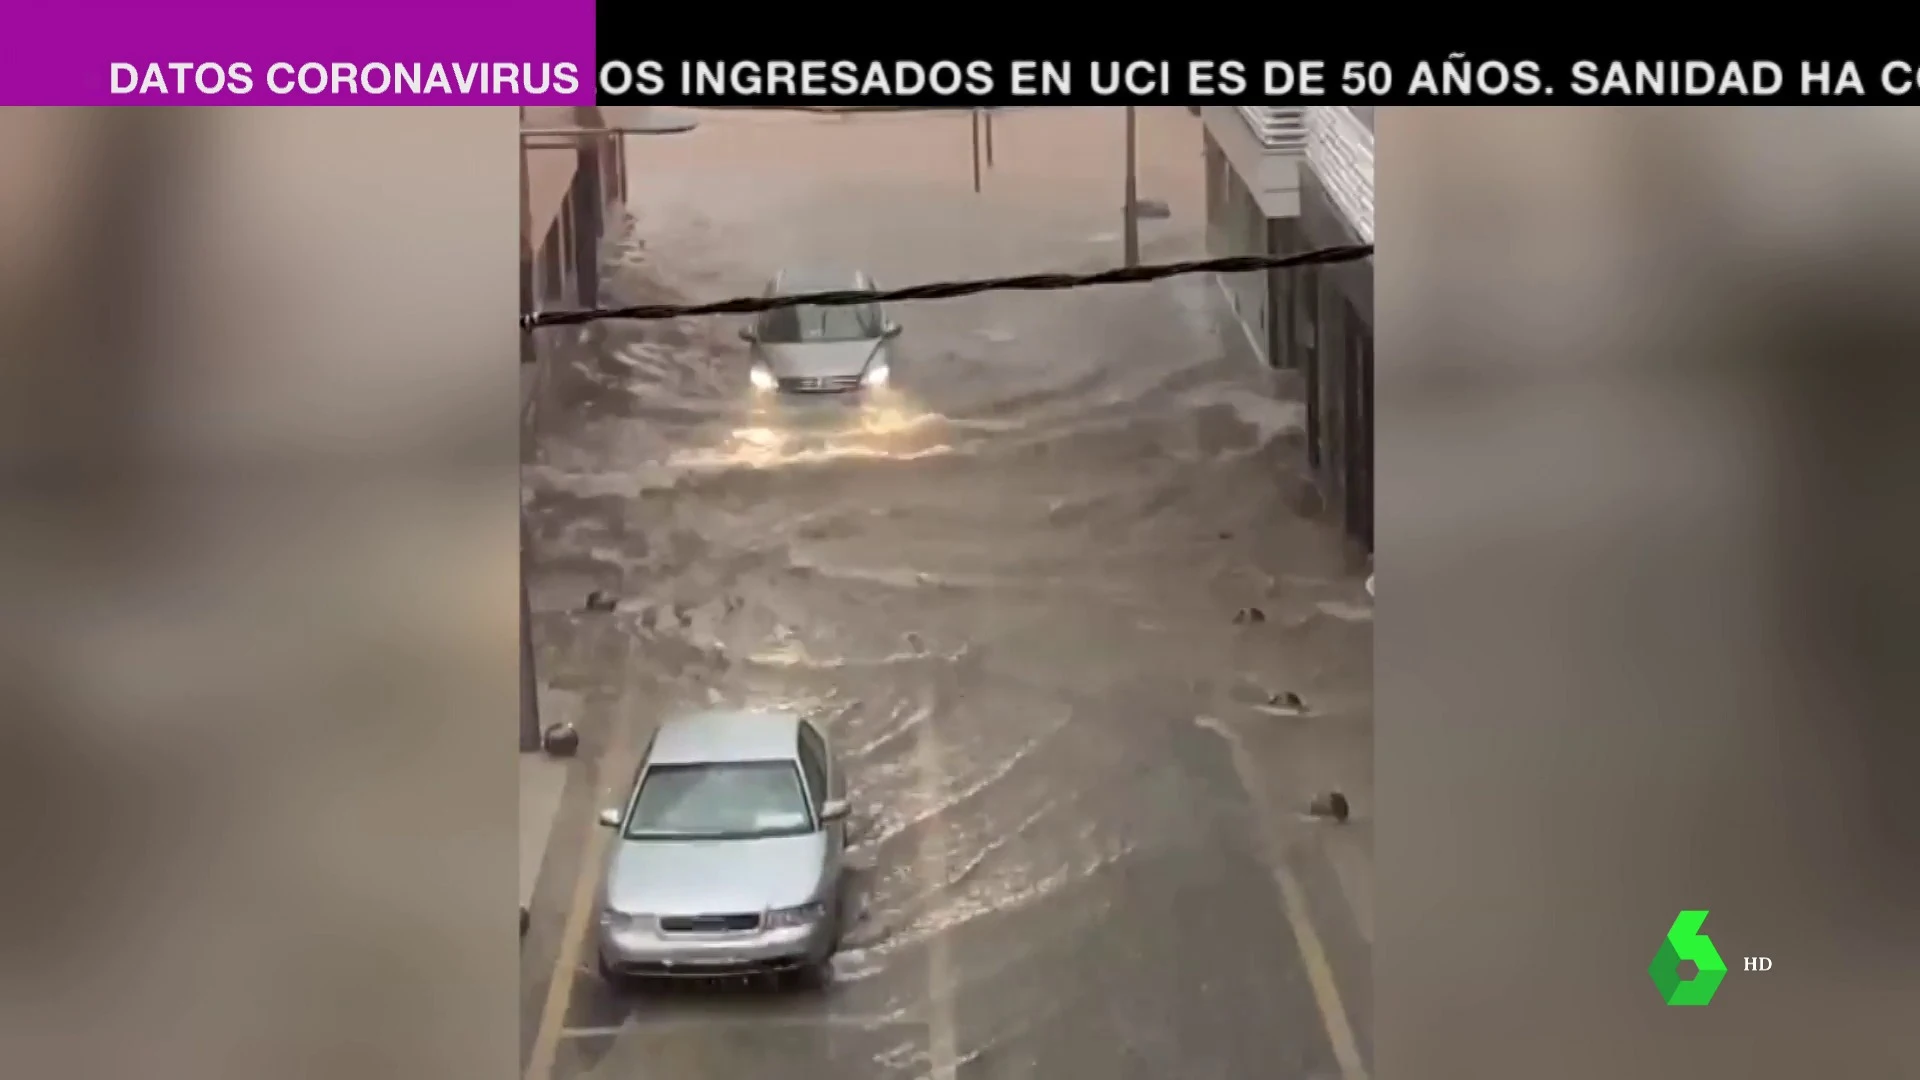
{"x": 1007, "y": 587}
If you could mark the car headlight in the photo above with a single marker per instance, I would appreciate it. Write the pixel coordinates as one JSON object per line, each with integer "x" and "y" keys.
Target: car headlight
{"x": 877, "y": 375}
{"x": 761, "y": 378}
{"x": 804, "y": 915}
{"x": 625, "y": 920}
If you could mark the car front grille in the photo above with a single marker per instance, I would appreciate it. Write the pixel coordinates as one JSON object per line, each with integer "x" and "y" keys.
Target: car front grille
{"x": 830, "y": 384}
{"x": 709, "y": 924}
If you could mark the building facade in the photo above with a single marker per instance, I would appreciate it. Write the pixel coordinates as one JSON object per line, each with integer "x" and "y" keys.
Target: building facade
{"x": 1286, "y": 180}
{"x": 572, "y": 171}
{"x": 572, "y": 178}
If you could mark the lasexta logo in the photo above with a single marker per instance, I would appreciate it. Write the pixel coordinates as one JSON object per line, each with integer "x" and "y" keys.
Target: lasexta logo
{"x": 1685, "y": 943}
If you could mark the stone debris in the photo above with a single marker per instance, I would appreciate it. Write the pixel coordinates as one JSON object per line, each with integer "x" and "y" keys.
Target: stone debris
{"x": 560, "y": 740}
{"x": 1329, "y": 806}
{"x": 1152, "y": 209}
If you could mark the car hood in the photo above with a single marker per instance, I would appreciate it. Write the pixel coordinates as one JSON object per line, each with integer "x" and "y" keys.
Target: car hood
{"x": 716, "y": 877}
{"x": 819, "y": 359}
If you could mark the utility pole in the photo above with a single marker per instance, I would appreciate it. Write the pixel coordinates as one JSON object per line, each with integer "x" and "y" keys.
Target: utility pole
{"x": 1132, "y": 224}
{"x": 529, "y": 674}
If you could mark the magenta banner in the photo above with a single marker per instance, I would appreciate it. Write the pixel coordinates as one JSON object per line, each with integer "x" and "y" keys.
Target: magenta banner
{"x": 279, "y": 52}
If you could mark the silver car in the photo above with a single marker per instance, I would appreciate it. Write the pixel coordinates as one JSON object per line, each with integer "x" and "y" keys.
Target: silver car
{"x": 821, "y": 350}
{"x": 731, "y": 853}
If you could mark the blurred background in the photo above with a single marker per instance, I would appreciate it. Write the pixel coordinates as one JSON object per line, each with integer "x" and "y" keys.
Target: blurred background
{"x": 1644, "y": 511}
{"x": 257, "y": 369}
{"x": 1646, "y": 617}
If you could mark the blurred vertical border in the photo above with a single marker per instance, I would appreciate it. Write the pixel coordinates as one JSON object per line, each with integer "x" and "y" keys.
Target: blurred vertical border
{"x": 258, "y": 552}
{"x": 1646, "y": 525}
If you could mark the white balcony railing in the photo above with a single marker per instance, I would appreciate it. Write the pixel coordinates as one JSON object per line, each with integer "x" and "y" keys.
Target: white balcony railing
{"x": 1279, "y": 130}
{"x": 1340, "y": 151}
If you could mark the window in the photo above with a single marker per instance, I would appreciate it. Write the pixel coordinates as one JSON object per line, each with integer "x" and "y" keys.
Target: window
{"x": 806, "y": 324}
{"x": 553, "y": 283}
{"x": 813, "y": 759}
{"x": 1280, "y": 290}
{"x": 731, "y": 801}
{"x": 1335, "y": 359}
{"x": 1360, "y": 467}
{"x": 1306, "y": 327}
{"x": 1306, "y": 312}
{"x": 568, "y": 263}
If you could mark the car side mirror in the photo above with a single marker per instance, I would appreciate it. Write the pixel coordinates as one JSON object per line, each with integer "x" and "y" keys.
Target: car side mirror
{"x": 835, "y": 810}
{"x": 746, "y": 333}
{"x": 610, "y": 817}
{"x": 891, "y": 330}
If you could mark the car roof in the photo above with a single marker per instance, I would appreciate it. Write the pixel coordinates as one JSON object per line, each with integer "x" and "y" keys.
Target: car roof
{"x": 726, "y": 735}
{"x": 803, "y": 279}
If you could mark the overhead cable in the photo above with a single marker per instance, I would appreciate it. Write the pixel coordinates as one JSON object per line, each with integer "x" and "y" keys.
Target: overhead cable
{"x": 948, "y": 290}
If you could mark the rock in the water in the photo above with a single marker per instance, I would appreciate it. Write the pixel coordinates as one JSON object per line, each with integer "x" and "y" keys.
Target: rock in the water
{"x": 1249, "y": 615}
{"x": 560, "y": 740}
{"x": 1331, "y": 805}
{"x": 600, "y": 600}
{"x": 1286, "y": 699}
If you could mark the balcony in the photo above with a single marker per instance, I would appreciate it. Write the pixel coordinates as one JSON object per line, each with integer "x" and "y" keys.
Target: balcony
{"x": 1266, "y": 144}
{"x": 1339, "y": 142}
{"x": 1278, "y": 131}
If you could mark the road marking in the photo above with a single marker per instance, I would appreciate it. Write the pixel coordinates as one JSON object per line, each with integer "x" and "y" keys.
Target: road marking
{"x": 942, "y": 1042}
{"x": 546, "y": 1041}
{"x": 1293, "y": 904}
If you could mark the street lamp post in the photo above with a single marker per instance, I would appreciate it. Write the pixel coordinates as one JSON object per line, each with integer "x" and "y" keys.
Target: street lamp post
{"x": 1132, "y": 225}
{"x": 976, "y": 151}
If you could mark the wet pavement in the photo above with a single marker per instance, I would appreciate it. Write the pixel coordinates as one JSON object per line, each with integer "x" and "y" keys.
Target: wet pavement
{"x": 1007, "y": 586}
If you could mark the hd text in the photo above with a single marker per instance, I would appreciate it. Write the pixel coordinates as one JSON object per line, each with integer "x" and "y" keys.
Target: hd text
{"x": 1452, "y": 77}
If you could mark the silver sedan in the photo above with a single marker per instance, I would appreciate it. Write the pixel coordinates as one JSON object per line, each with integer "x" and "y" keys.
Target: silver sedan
{"x": 731, "y": 853}
{"x": 814, "y": 350}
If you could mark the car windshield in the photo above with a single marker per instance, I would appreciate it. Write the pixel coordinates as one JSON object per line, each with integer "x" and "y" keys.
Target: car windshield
{"x": 731, "y": 801}
{"x": 807, "y": 323}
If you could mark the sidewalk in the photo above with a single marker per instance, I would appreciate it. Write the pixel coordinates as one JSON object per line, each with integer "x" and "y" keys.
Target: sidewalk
{"x": 542, "y": 781}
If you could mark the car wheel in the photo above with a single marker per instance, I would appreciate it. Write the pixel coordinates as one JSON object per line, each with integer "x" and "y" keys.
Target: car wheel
{"x": 608, "y": 975}
{"x": 812, "y": 977}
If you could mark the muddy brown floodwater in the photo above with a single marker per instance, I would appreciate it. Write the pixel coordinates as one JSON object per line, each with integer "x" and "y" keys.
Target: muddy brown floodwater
{"x": 1006, "y": 586}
